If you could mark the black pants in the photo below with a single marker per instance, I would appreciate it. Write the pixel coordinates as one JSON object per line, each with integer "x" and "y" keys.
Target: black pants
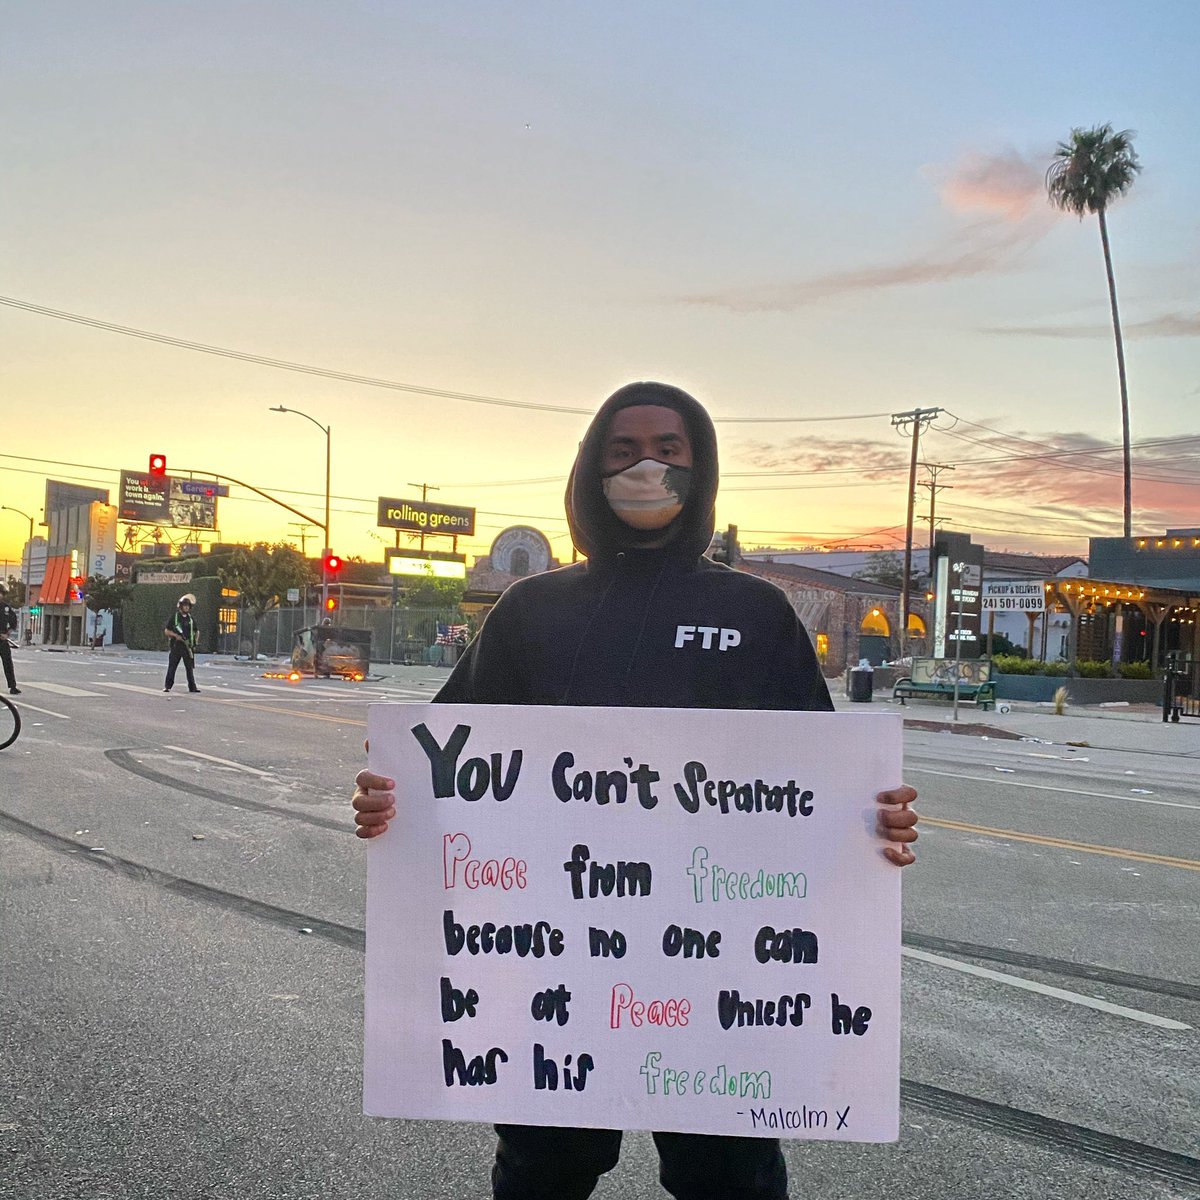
{"x": 10, "y": 676}
{"x": 543, "y": 1163}
{"x": 178, "y": 652}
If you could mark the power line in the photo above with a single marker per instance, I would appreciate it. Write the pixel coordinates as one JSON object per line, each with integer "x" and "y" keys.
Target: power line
{"x": 281, "y": 364}
{"x": 1049, "y": 454}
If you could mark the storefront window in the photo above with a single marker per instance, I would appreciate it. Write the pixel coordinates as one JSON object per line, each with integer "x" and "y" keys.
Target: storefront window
{"x": 875, "y": 624}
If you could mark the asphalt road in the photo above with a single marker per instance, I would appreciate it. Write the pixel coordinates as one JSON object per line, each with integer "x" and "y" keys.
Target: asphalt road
{"x": 181, "y": 955}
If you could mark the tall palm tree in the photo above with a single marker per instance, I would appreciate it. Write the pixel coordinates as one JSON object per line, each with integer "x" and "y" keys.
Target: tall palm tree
{"x": 1089, "y": 172}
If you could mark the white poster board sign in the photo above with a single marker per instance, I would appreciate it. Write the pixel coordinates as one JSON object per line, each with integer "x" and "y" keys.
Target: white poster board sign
{"x": 661, "y": 919}
{"x": 1014, "y": 595}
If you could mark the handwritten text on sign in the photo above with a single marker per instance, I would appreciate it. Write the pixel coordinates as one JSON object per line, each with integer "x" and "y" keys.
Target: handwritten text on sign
{"x": 635, "y": 919}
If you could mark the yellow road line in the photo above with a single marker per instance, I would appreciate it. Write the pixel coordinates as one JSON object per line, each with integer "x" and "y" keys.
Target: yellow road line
{"x": 291, "y": 712}
{"x": 1161, "y": 860}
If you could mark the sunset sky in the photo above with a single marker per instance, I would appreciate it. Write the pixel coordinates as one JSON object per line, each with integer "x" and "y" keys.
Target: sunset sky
{"x": 793, "y": 210}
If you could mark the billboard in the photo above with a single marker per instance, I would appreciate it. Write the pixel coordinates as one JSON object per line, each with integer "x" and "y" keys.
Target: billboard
{"x": 61, "y": 495}
{"x": 419, "y": 516}
{"x": 428, "y": 563}
{"x": 161, "y": 500}
{"x": 102, "y": 540}
{"x": 1014, "y": 595}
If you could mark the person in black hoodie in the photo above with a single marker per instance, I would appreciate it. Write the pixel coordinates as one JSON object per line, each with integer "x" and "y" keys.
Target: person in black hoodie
{"x": 646, "y": 621}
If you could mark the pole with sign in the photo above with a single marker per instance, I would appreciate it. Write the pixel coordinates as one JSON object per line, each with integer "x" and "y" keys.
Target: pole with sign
{"x": 968, "y": 575}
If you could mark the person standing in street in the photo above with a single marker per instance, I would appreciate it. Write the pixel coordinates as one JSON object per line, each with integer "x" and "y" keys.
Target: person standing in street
{"x": 8, "y": 625}
{"x": 612, "y": 632}
{"x": 181, "y": 629}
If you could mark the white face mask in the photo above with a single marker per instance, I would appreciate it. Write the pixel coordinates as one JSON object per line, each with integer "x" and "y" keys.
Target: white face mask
{"x": 648, "y": 495}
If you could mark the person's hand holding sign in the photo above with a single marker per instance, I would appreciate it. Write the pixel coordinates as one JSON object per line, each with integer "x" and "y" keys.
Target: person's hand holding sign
{"x": 898, "y": 823}
{"x": 374, "y": 802}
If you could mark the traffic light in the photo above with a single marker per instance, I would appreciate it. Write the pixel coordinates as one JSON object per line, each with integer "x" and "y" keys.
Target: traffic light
{"x": 158, "y": 464}
{"x": 333, "y": 563}
{"x": 331, "y": 603}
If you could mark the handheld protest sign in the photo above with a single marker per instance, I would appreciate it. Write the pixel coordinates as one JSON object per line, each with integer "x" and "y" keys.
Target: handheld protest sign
{"x": 667, "y": 919}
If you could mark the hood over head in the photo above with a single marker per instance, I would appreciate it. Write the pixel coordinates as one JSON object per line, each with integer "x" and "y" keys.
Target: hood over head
{"x": 596, "y": 530}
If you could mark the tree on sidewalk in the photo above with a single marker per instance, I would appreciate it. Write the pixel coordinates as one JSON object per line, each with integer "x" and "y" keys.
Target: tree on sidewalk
{"x": 435, "y": 593}
{"x": 262, "y": 574}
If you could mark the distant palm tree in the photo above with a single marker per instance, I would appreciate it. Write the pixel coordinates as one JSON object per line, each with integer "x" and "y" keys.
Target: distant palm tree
{"x": 1096, "y": 167}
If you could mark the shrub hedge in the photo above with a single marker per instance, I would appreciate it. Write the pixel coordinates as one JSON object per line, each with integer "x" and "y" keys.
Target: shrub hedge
{"x": 1010, "y": 664}
{"x": 1086, "y": 669}
{"x": 150, "y": 606}
{"x": 1135, "y": 670}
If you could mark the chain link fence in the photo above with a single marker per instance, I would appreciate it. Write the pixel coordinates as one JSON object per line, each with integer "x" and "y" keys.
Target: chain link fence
{"x": 398, "y": 635}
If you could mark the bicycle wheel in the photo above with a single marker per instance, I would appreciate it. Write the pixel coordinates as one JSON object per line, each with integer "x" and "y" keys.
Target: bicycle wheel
{"x": 10, "y": 723}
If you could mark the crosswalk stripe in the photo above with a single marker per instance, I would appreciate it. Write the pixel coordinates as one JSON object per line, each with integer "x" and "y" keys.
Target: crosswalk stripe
{"x": 130, "y": 687}
{"x": 22, "y": 705}
{"x": 61, "y": 689}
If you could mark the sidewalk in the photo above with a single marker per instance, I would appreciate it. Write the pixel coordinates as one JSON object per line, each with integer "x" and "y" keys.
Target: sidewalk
{"x": 1129, "y": 727}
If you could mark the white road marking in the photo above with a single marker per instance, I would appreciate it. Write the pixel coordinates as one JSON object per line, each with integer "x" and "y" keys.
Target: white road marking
{"x": 61, "y": 689}
{"x": 1043, "y": 787}
{"x": 225, "y": 762}
{"x": 34, "y": 708}
{"x": 1118, "y": 1010}
{"x": 219, "y": 689}
{"x": 133, "y": 687}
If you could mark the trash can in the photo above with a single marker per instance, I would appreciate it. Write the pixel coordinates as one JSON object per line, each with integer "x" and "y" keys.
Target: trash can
{"x": 862, "y": 684}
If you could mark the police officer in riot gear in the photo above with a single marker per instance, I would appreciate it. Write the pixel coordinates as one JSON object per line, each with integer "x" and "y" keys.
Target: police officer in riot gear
{"x": 8, "y": 625}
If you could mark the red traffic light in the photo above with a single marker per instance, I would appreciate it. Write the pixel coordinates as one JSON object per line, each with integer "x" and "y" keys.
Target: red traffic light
{"x": 331, "y": 604}
{"x": 158, "y": 464}
{"x": 333, "y": 563}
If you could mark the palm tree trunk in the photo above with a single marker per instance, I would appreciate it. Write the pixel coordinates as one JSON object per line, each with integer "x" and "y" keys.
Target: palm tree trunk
{"x": 1116, "y": 319}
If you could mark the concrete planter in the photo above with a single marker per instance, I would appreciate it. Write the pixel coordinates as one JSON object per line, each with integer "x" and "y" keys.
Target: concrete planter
{"x": 1041, "y": 689}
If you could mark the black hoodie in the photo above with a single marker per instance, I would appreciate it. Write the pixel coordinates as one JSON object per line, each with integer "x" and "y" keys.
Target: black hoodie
{"x": 637, "y": 627}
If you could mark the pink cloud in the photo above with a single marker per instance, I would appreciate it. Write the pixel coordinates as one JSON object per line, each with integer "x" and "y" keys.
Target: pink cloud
{"x": 1166, "y": 325}
{"x": 1000, "y": 190}
{"x": 1004, "y": 185}
{"x": 1065, "y": 498}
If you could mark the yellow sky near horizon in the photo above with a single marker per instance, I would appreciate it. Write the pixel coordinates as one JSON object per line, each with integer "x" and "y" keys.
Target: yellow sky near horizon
{"x": 774, "y": 208}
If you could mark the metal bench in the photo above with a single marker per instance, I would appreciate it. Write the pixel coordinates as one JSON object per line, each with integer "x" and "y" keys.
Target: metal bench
{"x": 933, "y": 678}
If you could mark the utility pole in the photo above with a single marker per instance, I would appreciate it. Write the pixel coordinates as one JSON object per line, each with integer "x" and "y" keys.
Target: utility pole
{"x": 910, "y": 422}
{"x": 426, "y": 488}
{"x": 303, "y": 527}
{"x": 934, "y": 487}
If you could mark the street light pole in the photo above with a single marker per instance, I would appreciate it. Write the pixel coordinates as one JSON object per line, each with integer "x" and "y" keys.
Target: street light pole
{"x": 28, "y": 556}
{"x": 325, "y": 429}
